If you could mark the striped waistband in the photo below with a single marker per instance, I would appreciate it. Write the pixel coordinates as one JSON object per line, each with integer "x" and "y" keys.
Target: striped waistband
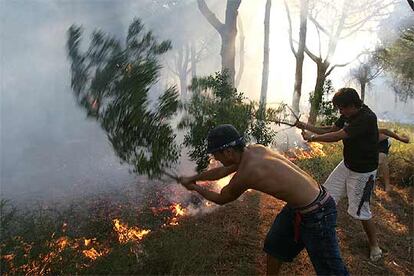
{"x": 318, "y": 202}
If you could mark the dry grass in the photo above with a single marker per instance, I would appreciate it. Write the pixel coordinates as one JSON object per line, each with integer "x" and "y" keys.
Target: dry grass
{"x": 227, "y": 241}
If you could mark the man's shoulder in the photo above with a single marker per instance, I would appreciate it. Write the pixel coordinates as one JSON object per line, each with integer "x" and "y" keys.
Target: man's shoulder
{"x": 253, "y": 156}
{"x": 366, "y": 115}
{"x": 367, "y": 112}
{"x": 253, "y": 151}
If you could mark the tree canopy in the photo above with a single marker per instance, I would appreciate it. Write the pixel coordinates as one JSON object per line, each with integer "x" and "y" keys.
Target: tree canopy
{"x": 111, "y": 81}
{"x": 215, "y": 101}
{"x": 398, "y": 60}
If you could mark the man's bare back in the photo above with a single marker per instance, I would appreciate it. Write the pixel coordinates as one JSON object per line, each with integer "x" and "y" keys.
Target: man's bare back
{"x": 268, "y": 171}
{"x": 257, "y": 167}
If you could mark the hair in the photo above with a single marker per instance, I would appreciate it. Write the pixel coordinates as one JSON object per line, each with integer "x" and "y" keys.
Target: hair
{"x": 238, "y": 148}
{"x": 346, "y": 97}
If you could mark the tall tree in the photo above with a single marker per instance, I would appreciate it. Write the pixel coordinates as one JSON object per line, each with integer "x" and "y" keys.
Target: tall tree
{"x": 183, "y": 67}
{"x": 112, "y": 80}
{"x": 186, "y": 58}
{"x": 190, "y": 42}
{"x": 336, "y": 22}
{"x": 227, "y": 31}
{"x": 300, "y": 52}
{"x": 364, "y": 73}
{"x": 265, "y": 72}
{"x": 398, "y": 60}
{"x": 241, "y": 52}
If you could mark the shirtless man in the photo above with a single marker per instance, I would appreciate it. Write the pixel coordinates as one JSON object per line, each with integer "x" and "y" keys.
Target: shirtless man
{"x": 308, "y": 219}
{"x": 383, "y": 147}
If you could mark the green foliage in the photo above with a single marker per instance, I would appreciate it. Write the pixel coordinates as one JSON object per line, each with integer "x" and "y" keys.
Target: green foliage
{"x": 214, "y": 101}
{"x": 321, "y": 167}
{"x": 398, "y": 60}
{"x": 262, "y": 132}
{"x": 112, "y": 83}
{"x": 328, "y": 114}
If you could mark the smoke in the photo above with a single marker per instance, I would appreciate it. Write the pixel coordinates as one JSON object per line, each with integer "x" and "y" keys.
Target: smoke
{"x": 50, "y": 150}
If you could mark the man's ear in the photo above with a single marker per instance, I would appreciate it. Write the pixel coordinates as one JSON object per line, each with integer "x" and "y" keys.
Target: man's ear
{"x": 228, "y": 152}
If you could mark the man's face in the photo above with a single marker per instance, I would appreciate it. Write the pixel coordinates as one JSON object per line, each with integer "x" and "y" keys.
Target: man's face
{"x": 348, "y": 111}
{"x": 222, "y": 157}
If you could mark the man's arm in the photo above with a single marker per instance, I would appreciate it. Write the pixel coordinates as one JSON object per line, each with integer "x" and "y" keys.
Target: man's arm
{"x": 394, "y": 135}
{"x": 210, "y": 175}
{"x": 317, "y": 130}
{"x": 327, "y": 137}
{"x": 229, "y": 193}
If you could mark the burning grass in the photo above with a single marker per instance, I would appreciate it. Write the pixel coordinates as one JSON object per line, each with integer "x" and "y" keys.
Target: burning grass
{"x": 156, "y": 232}
{"x": 82, "y": 237}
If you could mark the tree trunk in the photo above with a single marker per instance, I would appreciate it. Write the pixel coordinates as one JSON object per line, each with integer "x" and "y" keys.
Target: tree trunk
{"x": 183, "y": 84}
{"x": 228, "y": 55}
{"x": 265, "y": 72}
{"x": 297, "y": 90}
{"x": 362, "y": 91}
{"x": 228, "y": 36}
{"x": 227, "y": 31}
{"x": 182, "y": 63}
{"x": 193, "y": 61}
{"x": 318, "y": 92}
{"x": 241, "y": 53}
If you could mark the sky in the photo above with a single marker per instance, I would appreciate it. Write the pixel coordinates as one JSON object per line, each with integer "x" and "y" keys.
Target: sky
{"x": 48, "y": 146}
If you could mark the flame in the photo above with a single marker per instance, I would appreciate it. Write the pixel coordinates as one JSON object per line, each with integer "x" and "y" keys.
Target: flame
{"x": 93, "y": 254}
{"x": 178, "y": 211}
{"x": 87, "y": 242}
{"x": 62, "y": 243}
{"x": 127, "y": 234}
{"x": 313, "y": 150}
{"x": 60, "y": 247}
{"x": 9, "y": 257}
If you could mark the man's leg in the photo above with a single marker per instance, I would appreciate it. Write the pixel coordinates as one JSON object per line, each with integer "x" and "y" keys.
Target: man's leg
{"x": 273, "y": 265}
{"x": 335, "y": 183}
{"x": 386, "y": 174}
{"x": 319, "y": 235}
{"x": 359, "y": 188}
{"x": 370, "y": 230}
{"x": 384, "y": 171}
{"x": 280, "y": 245}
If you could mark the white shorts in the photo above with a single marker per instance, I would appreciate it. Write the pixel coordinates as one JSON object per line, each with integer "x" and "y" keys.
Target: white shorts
{"x": 357, "y": 186}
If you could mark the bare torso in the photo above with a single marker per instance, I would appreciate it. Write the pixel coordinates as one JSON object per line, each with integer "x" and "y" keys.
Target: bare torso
{"x": 270, "y": 172}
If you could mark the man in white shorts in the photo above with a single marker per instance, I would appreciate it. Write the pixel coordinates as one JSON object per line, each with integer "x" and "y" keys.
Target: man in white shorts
{"x": 355, "y": 174}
